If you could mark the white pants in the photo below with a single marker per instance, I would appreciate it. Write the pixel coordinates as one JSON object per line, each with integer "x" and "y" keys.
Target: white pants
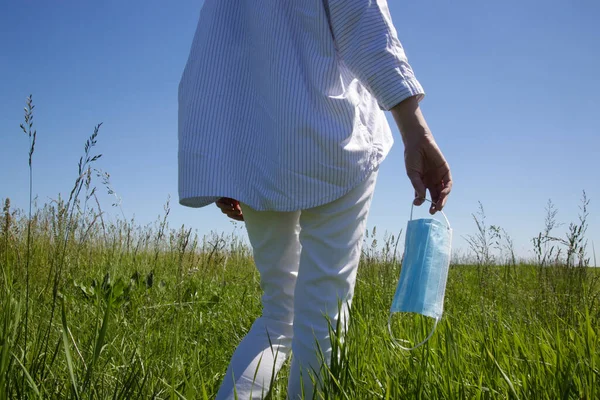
{"x": 307, "y": 262}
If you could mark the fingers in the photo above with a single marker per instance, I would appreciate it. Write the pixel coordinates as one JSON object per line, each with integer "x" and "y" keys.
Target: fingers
{"x": 231, "y": 208}
{"x": 434, "y": 192}
{"x": 236, "y": 217}
{"x": 445, "y": 192}
{"x": 438, "y": 181}
{"x": 417, "y": 182}
{"x": 440, "y": 192}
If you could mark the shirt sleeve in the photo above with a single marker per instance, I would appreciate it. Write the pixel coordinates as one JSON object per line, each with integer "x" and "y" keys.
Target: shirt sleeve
{"x": 368, "y": 45}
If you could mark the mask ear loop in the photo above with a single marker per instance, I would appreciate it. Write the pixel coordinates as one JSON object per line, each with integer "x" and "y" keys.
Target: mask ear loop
{"x": 397, "y": 341}
{"x": 412, "y": 208}
{"x": 437, "y": 320}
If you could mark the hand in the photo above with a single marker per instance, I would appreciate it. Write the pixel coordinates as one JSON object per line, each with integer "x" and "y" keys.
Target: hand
{"x": 231, "y": 208}
{"x": 425, "y": 164}
{"x": 427, "y": 168}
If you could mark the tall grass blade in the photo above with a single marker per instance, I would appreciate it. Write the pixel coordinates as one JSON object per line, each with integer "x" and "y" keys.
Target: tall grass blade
{"x": 506, "y": 378}
{"x": 11, "y": 312}
{"x": 100, "y": 339}
{"x": 28, "y": 377}
{"x": 68, "y": 350}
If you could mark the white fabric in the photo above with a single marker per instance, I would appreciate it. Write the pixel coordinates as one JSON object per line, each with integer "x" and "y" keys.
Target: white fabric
{"x": 307, "y": 261}
{"x": 281, "y": 102}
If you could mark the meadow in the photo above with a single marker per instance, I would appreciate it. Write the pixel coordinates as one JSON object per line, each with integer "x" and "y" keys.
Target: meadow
{"x": 93, "y": 306}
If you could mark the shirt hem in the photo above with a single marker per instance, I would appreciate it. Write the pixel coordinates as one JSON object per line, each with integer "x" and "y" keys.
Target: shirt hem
{"x": 195, "y": 201}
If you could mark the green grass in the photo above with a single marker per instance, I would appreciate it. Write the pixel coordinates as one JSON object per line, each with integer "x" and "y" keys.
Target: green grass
{"x": 93, "y": 309}
{"x": 150, "y": 311}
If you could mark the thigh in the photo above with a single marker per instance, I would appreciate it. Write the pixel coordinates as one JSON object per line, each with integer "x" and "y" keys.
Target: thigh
{"x": 331, "y": 237}
{"x": 274, "y": 237}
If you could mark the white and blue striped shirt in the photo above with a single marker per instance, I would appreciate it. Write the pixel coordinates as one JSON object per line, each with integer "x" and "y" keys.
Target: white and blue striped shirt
{"x": 281, "y": 101}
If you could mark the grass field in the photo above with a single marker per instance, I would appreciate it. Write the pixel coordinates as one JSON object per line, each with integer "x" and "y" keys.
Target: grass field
{"x": 97, "y": 309}
{"x": 122, "y": 311}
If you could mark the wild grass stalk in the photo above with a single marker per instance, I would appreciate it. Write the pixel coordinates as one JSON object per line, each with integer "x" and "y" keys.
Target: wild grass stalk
{"x": 27, "y": 127}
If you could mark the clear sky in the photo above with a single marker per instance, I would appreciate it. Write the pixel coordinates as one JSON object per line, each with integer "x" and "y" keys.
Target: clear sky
{"x": 512, "y": 99}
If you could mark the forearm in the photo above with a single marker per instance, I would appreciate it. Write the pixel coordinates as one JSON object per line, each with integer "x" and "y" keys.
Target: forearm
{"x": 410, "y": 121}
{"x": 425, "y": 164}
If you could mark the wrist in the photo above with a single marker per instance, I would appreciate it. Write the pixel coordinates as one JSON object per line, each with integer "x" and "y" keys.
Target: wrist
{"x": 411, "y": 123}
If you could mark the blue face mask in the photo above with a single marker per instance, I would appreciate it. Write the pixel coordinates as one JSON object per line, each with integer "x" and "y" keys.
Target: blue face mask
{"x": 422, "y": 283}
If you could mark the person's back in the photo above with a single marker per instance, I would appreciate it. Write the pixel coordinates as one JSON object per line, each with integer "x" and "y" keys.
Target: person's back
{"x": 265, "y": 79}
{"x": 281, "y": 116}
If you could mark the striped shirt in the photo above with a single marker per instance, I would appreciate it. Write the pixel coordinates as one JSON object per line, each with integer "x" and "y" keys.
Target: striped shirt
{"x": 281, "y": 102}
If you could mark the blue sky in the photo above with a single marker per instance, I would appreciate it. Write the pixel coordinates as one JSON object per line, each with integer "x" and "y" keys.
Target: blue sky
{"x": 512, "y": 98}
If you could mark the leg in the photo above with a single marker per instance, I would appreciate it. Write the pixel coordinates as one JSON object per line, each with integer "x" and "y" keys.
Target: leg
{"x": 260, "y": 355}
{"x": 331, "y": 237}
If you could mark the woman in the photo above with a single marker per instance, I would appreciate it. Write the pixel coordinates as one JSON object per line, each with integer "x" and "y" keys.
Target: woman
{"x": 281, "y": 123}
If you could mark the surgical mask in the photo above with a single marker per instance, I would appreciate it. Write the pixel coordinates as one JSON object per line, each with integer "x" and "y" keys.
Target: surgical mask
{"x": 422, "y": 284}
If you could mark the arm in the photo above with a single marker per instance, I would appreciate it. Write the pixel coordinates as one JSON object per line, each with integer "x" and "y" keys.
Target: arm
{"x": 425, "y": 164}
{"x": 367, "y": 42}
